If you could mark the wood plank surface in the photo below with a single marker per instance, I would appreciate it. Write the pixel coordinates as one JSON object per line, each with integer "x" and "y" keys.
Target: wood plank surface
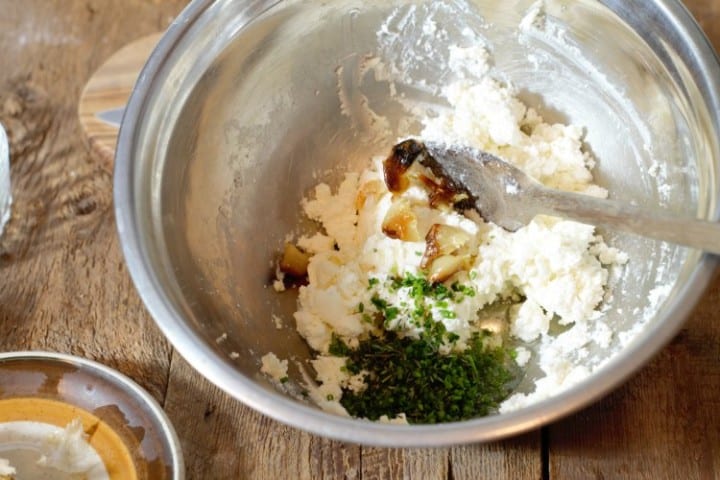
{"x": 109, "y": 89}
{"x": 63, "y": 283}
{"x": 64, "y": 287}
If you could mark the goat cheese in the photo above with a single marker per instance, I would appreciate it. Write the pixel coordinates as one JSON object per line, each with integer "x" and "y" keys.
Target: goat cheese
{"x": 6, "y": 470}
{"x": 553, "y": 271}
{"x": 274, "y": 367}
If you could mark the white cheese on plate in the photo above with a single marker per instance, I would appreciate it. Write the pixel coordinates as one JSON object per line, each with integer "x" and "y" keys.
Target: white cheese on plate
{"x": 6, "y": 468}
{"x": 68, "y": 451}
{"x": 43, "y": 450}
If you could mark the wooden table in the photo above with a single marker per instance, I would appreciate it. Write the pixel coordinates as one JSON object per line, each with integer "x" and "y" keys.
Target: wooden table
{"x": 64, "y": 287}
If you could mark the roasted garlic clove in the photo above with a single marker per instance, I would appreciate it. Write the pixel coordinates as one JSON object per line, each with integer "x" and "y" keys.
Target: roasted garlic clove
{"x": 410, "y": 163}
{"x": 294, "y": 261}
{"x": 446, "y": 266}
{"x": 367, "y": 190}
{"x": 401, "y": 222}
{"x": 443, "y": 240}
{"x": 396, "y": 166}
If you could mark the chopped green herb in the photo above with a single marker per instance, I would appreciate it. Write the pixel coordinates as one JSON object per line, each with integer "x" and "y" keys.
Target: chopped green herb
{"x": 284, "y": 379}
{"x": 425, "y": 297}
{"x": 391, "y": 313}
{"x": 464, "y": 289}
{"x": 379, "y": 303}
{"x": 337, "y": 347}
{"x": 448, "y": 314}
{"x": 410, "y": 376}
{"x": 330, "y": 397}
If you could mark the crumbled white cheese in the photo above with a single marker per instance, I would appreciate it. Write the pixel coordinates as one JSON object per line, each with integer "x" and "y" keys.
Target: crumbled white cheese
{"x": 522, "y": 356}
{"x": 279, "y": 283}
{"x": 487, "y": 116}
{"x": 495, "y": 124}
{"x": 274, "y": 367}
{"x": 550, "y": 263}
{"x": 278, "y": 322}
{"x": 333, "y": 377}
{"x": 317, "y": 243}
{"x": 329, "y": 372}
{"x": 336, "y": 212}
{"x": 557, "y": 266}
{"x": 609, "y": 255}
{"x": 530, "y": 321}
{"x": 473, "y": 60}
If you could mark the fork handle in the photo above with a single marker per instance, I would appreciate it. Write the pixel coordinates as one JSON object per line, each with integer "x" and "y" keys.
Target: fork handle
{"x": 693, "y": 233}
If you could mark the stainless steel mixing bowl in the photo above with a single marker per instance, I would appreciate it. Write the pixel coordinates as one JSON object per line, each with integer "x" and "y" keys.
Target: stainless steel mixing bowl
{"x": 240, "y": 106}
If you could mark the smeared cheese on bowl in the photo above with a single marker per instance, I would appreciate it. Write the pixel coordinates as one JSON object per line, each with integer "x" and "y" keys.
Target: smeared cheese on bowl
{"x": 552, "y": 273}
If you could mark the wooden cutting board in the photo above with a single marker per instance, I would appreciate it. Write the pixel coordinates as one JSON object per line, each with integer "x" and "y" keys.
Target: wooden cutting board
{"x": 109, "y": 89}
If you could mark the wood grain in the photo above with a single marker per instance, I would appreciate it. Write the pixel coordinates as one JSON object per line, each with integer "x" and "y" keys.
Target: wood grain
{"x": 63, "y": 283}
{"x": 64, "y": 287}
{"x": 109, "y": 88}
